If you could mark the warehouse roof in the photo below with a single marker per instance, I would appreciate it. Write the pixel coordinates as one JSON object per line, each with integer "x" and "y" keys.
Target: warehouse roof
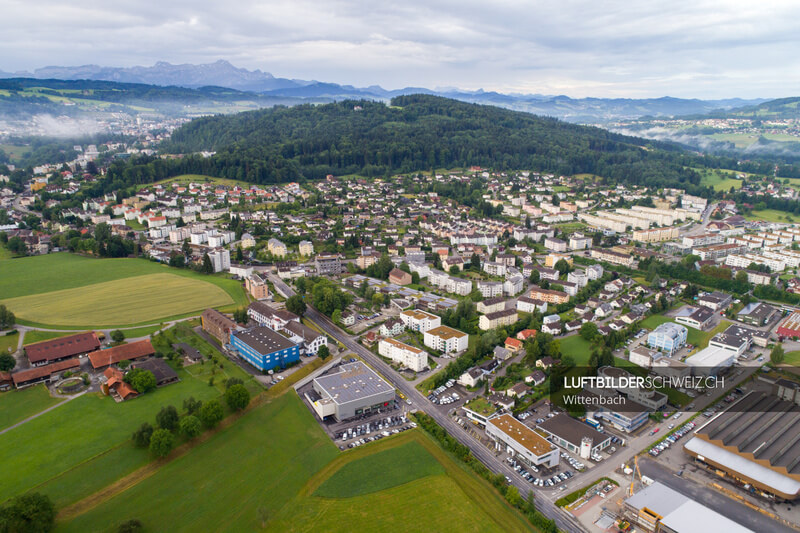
{"x": 522, "y": 434}
{"x": 130, "y": 351}
{"x": 571, "y": 430}
{"x": 352, "y": 382}
{"x": 264, "y": 340}
{"x": 62, "y": 347}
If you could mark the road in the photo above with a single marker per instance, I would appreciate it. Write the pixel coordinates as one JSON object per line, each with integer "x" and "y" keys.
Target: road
{"x": 712, "y": 499}
{"x": 565, "y": 521}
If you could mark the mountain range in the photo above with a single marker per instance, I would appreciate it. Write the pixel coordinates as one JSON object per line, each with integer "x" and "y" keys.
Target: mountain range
{"x": 223, "y": 74}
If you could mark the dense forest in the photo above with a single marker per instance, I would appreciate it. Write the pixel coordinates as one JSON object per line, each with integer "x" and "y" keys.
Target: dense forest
{"x": 416, "y": 132}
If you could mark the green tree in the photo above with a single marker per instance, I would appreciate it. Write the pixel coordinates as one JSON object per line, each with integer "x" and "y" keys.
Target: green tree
{"x": 192, "y": 406}
{"x": 141, "y": 437}
{"x": 167, "y": 418}
{"x": 534, "y": 278}
{"x": 162, "y": 442}
{"x": 240, "y": 315}
{"x": 207, "y": 267}
{"x": 117, "y": 336}
{"x": 588, "y": 330}
{"x": 296, "y": 305}
{"x": 562, "y": 265}
{"x": 336, "y": 316}
{"x": 141, "y": 380}
{"x": 741, "y": 276}
{"x": 190, "y": 426}
{"x": 237, "y": 397}
{"x": 131, "y": 526}
{"x": 777, "y": 354}
{"x": 233, "y": 381}
{"x": 239, "y": 254}
{"x": 7, "y": 318}
{"x": 211, "y": 413}
{"x": 323, "y": 352}
{"x": 7, "y": 362}
{"x": 28, "y": 513}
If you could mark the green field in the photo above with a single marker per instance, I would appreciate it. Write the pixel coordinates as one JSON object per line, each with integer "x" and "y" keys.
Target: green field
{"x": 772, "y": 215}
{"x": 232, "y": 482}
{"x": 133, "y": 300}
{"x": 441, "y": 496}
{"x": 792, "y": 358}
{"x": 15, "y": 151}
{"x": 35, "y": 276}
{"x": 5, "y": 253}
{"x": 380, "y": 471}
{"x": 186, "y": 179}
{"x": 86, "y": 428}
{"x": 19, "y": 405}
{"x": 578, "y": 347}
{"x": 720, "y": 180}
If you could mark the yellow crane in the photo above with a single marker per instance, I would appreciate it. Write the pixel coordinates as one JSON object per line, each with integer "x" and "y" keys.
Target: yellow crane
{"x": 634, "y": 474}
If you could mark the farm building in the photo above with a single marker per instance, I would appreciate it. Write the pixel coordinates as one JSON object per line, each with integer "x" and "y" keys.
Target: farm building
{"x": 264, "y": 348}
{"x": 124, "y": 352}
{"x": 42, "y": 353}
{"x": 163, "y": 373}
{"x": 37, "y": 374}
{"x": 351, "y": 390}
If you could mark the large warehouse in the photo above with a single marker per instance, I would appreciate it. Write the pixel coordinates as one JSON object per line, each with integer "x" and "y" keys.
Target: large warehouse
{"x": 351, "y": 390}
{"x": 522, "y": 442}
{"x": 755, "y": 442}
{"x": 659, "y": 508}
{"x": 42, "y": 353}
{"x": 264, "y": 348}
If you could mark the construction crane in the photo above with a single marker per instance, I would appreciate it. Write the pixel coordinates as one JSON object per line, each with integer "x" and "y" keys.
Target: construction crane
{"x": 634, "y": 473}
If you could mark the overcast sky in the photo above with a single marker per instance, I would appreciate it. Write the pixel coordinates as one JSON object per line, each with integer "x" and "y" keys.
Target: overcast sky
{"x": 696, "y": 48}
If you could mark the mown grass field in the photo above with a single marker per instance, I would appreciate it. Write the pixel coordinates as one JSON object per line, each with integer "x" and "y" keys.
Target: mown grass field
{"x": 439, "y": 496}
{"x": 44, "y": 274}
{"x": 8, "y": 343}
{"x": 232, "y": 482}
{"x": 19, "y": 405}
{"x": 34, "y": 335}
{"x": 185, "y": 179}
{"x": 380, "y": 471}
{"x": 792, "y": 358}
{"x": 772, "y": 215}
{"x": 133, "y": 300}
{"x": 720, "y": 180}
{"x": 83, "y": 430}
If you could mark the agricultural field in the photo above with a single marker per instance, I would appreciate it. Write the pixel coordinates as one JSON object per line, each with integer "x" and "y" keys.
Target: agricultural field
{"x": 84, "y": 430}
{"x": 185, "y": 179}
{"x": 34, "y": 335}
{"x": 138, "y": 299}
{"x": 236, "y": 481}
{"x": 365, "y": 490}
{"x": 28, "y": 286}
{"x": 19, "y": 405}
{"x": 15, "y": 152}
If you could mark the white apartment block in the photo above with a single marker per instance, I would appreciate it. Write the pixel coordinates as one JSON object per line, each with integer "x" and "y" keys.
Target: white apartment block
{"x": 418, "y": 320}
{"x": 446, "y": 339}
{"x": 490, "y": 289}
{"x": 220, "y": 259}
{"x": 408, "y": 356}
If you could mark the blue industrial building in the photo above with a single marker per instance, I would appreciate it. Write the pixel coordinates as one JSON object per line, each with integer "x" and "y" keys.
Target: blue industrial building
{"x": 264, "y": 348}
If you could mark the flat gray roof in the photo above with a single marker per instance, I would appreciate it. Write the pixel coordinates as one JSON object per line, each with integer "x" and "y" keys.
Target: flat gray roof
{"x": 264, "y": 340}
{"x": 353, "y": 381}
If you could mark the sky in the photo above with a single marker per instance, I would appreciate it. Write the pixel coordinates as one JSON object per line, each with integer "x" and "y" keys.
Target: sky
{"x": 688, "y": 49}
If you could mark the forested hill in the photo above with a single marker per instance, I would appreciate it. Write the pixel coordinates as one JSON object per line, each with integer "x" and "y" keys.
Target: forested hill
{"x": 416, "y": 132}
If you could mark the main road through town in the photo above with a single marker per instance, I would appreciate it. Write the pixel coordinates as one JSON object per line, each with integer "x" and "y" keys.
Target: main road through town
{"x": 564, "y": 520}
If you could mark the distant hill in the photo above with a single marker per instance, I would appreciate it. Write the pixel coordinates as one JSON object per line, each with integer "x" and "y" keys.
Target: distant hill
{"x": 223, "y": 74}
{"x": 415, "y": 132}
{"x": 782, "y": 108}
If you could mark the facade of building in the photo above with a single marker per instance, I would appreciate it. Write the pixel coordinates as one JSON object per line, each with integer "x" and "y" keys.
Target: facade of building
{"x": 328, "y": 264}
{"x": 351, "y": 390}
{"x": 522, "y": 442}
{"x": 265, "y": 348}
{"x": 220, "y": 259}
{"x": 446, "y": 339}
{"x": 256, "y": 285}
{"x": 409, "y": 356}
{"x": 418, "y": 320}
{"x": 668, "y": 337}
{"x": 498, "y": 319}
{"x": 217, "y": 325}
{"x": 548, "y": 295}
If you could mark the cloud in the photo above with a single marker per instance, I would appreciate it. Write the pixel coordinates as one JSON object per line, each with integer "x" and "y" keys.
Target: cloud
{"x": 682, "y": 48}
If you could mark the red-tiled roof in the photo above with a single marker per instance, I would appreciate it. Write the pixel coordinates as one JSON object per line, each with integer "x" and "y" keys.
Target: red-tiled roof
{"x": 130, "y": 351}
{"x": 23, "y": 376}
{"x": 55, "y": 349}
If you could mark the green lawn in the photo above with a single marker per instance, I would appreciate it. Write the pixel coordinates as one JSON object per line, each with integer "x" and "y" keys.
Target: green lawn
{"x": 133, "y": 333}
{"x": 91, "y": 425}
{"x": 447, "y": 498}
{"x": 33, "y": 336}
{"x": 5, "y": 253}
{"x": 18, "y": 405}
{"x": 578, "y": 347}
{"x": 380, "y": 471}
{"x": 792, "y": 358}
{"x": 9, "y": 343}
{"x": 772, "y": 215}
{"x": 35, "y": 276}
{"x": 231, "y": 482}
{"x": 720, "y": 180}
{"x": 185, "y": 179}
